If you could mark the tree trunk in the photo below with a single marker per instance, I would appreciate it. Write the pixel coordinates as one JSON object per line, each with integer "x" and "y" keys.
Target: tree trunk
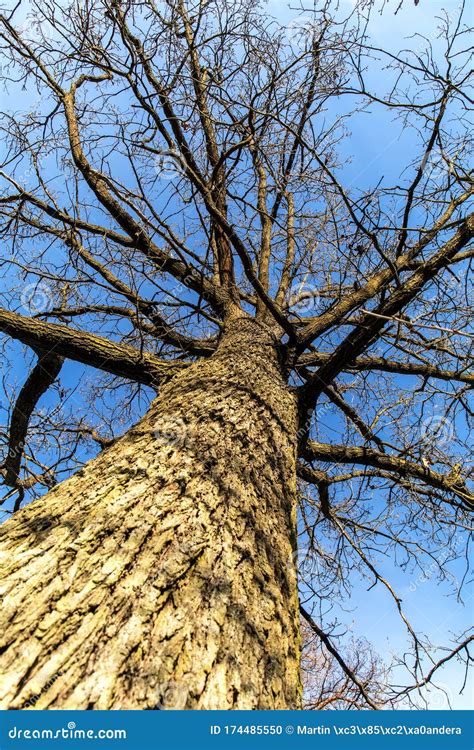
{"x": 161, "y": 575}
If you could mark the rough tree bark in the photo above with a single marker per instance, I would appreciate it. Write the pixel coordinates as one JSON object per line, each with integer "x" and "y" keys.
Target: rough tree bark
{"x": 161, "y": 575}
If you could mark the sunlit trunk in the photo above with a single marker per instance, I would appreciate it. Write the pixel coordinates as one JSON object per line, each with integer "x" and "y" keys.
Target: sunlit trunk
{"x": 161, "y": 575}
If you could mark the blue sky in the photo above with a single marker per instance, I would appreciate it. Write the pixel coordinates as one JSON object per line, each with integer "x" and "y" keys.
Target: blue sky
{"x": 375, "y": 150}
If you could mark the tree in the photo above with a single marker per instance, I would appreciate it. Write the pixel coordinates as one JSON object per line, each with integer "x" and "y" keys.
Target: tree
{"x": 327, "y": 685}
{"x": 180, "y": 219}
